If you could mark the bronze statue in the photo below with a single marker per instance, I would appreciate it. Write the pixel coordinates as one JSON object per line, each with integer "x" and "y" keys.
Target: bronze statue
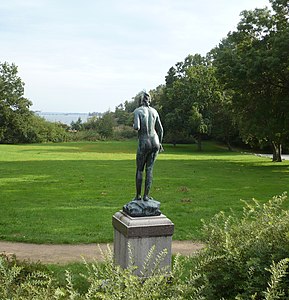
{"x": 150, "y": 135}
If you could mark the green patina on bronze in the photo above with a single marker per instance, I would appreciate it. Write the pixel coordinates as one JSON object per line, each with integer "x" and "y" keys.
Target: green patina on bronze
{"x": 150, "y": 135}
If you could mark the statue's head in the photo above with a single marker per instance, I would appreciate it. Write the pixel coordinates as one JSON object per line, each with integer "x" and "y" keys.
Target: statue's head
{"x": 145, "y": 98}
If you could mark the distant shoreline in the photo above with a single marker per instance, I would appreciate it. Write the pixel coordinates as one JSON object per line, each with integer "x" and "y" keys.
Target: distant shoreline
{"x": 59, "y": 113}
{"x": 39, "y": 112}
{"x": 65, "y": 117}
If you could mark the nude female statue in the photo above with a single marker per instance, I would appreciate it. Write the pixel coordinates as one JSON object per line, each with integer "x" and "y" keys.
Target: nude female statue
{"x": 150, "y": 135}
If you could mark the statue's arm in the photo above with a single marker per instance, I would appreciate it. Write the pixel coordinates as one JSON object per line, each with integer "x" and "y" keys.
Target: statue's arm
{"x": 159, "y": 128}
{"x": 136, "y": 122}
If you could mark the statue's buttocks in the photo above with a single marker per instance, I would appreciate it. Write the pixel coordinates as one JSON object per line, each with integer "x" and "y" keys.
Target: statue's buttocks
{"x": 150, "y": 134}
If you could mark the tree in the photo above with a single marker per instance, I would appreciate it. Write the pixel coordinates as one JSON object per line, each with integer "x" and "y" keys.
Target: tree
{"x": 253, "y": 62}
{"x": 223, "y": 125}
{"x": 156, "y": 96}
{"x": 102, "y": 125}
{"x": 91, "y": 123}
{"x": 191, "y": 92}
{"x": 39, "y": 130}
{"x": 130, "y": 106}
{"x": 17, "y": 123}
{"x": 106, "y": 124}
{"x": 76, "y": 125}
{"x": 14, "y": 107}
{"x": 122, "y": 116}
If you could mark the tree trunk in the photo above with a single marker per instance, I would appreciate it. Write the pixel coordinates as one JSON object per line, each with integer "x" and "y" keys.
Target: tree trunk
{"x": 229, "y": 144}
{"x": 199, "y": 143}
{"x": 277, "y": 152}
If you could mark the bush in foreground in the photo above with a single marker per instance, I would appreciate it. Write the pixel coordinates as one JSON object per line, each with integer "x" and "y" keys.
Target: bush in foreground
{"x": 244, "y": 258}
{"x": 251, "y": 253}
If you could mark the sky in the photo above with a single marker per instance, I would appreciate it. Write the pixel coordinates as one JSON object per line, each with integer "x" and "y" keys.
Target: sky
{"x": 92, "y": 55}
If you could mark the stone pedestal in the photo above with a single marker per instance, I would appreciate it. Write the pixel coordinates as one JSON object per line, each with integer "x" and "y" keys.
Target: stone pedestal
{"x": 134, "y": 237}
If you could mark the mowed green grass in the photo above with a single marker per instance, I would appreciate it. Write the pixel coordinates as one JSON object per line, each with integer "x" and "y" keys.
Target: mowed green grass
{"x": 68, "y": 192}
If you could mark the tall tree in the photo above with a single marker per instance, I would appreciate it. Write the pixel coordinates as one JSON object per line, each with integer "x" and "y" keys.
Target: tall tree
{"x": 253, "y": 62}
{"x": 190, "y": 94}
{"x": 223, "y": 125}
{"x": 14, "y": 107}
{"x": 156, "y": 96}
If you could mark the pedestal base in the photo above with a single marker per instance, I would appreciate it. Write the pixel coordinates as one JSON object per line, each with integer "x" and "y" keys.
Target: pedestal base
{"x": 134, "y": 237}
{"x": 141, "y": 208}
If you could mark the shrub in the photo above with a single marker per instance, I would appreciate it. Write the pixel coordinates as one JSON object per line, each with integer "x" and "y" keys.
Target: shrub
{"x": 34, "y": 130}
{"x": 109, "y": 281}
{"x": 124, "y": 132}
{"x": 247, "y": 249}
{"x": 23, "y": 280}
{"x": 245, "y": 258}
{"x": 84, "y": 135}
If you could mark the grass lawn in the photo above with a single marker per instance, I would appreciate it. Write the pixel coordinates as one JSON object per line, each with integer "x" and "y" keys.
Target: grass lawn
{"x": 68, "y": 192}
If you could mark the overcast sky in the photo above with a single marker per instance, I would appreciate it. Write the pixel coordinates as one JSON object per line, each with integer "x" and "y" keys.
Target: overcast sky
{"x": 91, "y": 55}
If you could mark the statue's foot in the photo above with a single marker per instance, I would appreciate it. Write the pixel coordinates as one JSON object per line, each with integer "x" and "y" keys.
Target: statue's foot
{"x": 138, "y": 198}
{"x": 147, "y": 198}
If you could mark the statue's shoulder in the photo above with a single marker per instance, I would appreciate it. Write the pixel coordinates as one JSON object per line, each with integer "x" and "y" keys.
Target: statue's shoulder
{"x": 140, "y": 109}
{"x": 153, "y": 110}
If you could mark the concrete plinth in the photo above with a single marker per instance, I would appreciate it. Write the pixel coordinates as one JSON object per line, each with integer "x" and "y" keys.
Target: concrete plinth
{"x": 134, "y": 237}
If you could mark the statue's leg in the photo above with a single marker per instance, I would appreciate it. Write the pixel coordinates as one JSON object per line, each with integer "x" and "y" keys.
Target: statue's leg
{"x": 149, "y": 174}
{"x": 138, "y": 181}
{"x": 140, "y": 161}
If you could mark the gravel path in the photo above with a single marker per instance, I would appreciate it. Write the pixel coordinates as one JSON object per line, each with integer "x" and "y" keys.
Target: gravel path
{"x": 63, "y": 254}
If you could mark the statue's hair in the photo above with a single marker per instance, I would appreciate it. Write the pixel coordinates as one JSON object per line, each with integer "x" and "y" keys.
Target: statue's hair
{"x": 144, "y": 94}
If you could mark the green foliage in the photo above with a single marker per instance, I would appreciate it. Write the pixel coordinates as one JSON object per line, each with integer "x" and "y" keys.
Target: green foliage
{"x": 278, "y": 272}
{"x": 103, "y": 125}
{"x": 104, "y": 281}
{"x": 17, "y": 123}
{"x": 252, "y": 62}
{"x": 130, "y": 106}
{"x": 22, "y": 280}
{"x": 109, "y": 126}
{"x": 224, "y": 127}
{"x": 76, "y": 125}
{"x": 119, "y": 133}
{"x": 122, "y": 116}
{"x": 156, "y": 97}
{"x": 14, "y": 108}
{"x": 110, "y": 281}
{"x": 106, "y": 124}
{"x": 38, "y": 130}
{"x": 188, "y": 98}
{"x": 84, "y": 135}
{"x": 247, "y": 250}
{"x": 124, "y": 132}
{"x": 238, "y": 91}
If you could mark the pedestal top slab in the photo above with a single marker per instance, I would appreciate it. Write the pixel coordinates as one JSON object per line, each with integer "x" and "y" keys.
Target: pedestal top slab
{"x": 142, "y": 226}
